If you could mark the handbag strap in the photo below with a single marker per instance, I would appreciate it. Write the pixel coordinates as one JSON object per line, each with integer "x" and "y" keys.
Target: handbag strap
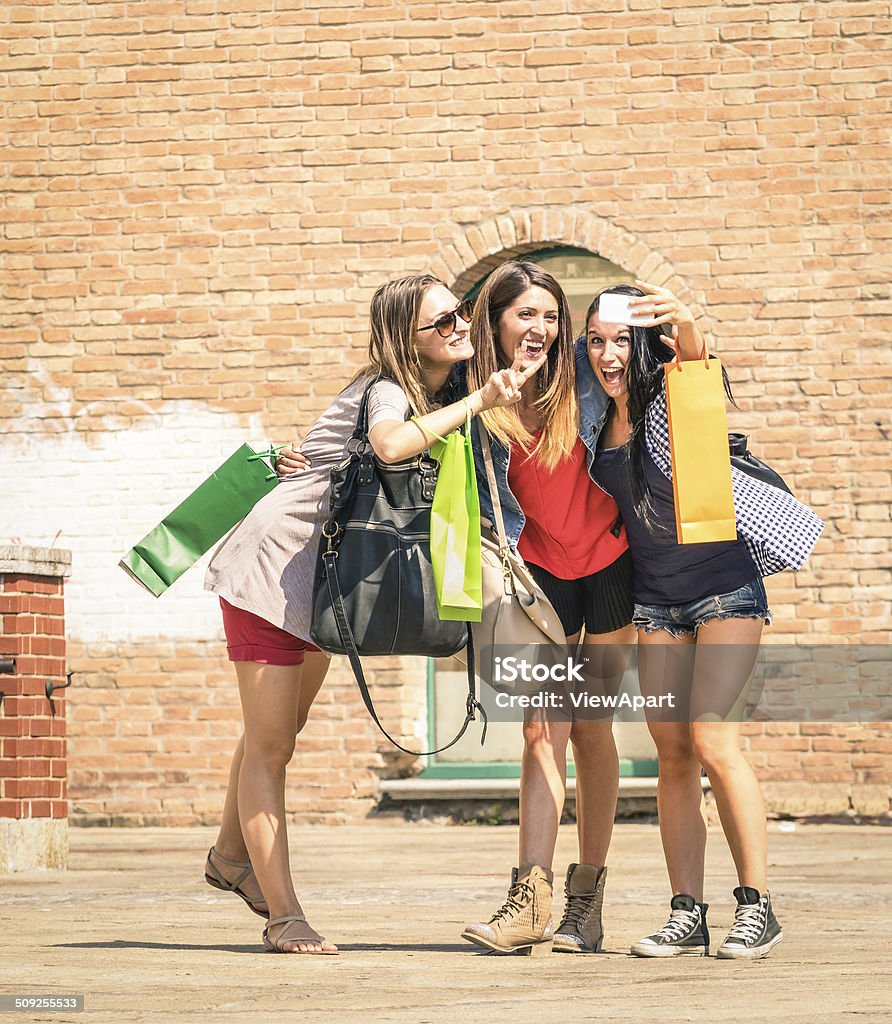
{"x": 493, "y": 490}
{"x": 472, "y": 705}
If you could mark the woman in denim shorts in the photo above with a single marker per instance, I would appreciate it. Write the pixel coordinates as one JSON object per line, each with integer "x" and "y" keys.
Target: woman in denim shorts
{"x": 699, "y": 610}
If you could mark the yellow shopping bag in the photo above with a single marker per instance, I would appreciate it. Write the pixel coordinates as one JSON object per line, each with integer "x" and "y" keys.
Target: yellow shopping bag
{"x": 701, "y": 465}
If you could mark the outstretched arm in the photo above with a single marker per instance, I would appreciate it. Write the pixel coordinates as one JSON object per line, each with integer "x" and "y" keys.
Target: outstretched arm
{"x": 393, "y": 441}
{"x": 667, "y": 308}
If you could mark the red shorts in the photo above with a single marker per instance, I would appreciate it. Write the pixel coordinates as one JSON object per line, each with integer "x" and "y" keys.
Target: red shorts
{"x": 250, "y": 638}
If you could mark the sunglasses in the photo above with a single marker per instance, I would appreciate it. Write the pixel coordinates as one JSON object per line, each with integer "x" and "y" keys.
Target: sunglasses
{"x": 444, "y": 325}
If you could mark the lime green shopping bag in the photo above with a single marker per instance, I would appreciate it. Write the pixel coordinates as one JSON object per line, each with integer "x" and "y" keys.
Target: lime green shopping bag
{"x": 455, "y": 529}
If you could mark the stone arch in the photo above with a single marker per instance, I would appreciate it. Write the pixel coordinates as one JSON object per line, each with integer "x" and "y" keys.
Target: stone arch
{"x": 482, "y": 247}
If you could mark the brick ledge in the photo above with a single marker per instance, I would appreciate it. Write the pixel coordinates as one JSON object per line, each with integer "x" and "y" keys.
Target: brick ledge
{"x": 15, "y": 558}
{"x": 492, "y": 789}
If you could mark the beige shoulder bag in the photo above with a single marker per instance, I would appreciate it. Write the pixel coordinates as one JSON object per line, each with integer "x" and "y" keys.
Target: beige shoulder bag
{"x": 517, "y": 616}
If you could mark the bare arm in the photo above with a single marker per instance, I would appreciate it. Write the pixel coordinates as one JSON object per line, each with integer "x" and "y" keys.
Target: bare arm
{"x": 667, "y": 308}
{"x": 393, "y": 441}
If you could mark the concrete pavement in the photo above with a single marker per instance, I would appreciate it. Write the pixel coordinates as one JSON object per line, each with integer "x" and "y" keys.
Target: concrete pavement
{"x": 133, "y": 926}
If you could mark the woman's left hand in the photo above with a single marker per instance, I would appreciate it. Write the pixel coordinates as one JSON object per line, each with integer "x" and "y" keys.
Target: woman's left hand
{"x": 663, "y": 305}
{"x": 290, "y": 461}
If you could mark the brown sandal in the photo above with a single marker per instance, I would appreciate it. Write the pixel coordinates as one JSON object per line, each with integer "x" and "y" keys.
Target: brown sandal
{"x": 214, "y": 877}
{"x": 277, "y": 945}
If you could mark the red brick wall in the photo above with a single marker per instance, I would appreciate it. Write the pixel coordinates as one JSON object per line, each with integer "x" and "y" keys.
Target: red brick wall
{"x": 33, "y": 756}
{"x": 156, "y": 725}
{"x": 814, "y": 768}
{"x": 202, "y": 197}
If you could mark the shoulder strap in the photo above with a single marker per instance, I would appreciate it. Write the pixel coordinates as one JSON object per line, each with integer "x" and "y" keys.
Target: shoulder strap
{"x": 493, "y": 488}
{"x": 361, "y": 430}
{"x": 347, "y": 639}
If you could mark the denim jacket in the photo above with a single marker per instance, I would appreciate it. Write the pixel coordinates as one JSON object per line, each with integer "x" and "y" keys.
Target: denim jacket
{"x": 593, "y": 403}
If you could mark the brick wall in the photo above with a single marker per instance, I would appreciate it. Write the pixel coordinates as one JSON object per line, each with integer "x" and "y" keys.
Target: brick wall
{"x": 155, "y": 725}
{"x": 33, "y": 761}
{"x": 202, "y": 197}
{"x": 33, "y": 744}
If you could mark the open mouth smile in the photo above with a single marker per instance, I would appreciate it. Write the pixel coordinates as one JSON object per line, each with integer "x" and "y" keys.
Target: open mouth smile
{"x": 533, "y": 349}
{"x": 612, "y": 376}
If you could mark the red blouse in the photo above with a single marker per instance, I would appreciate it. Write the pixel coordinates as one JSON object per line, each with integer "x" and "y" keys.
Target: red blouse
{"x": 568, "y": 517}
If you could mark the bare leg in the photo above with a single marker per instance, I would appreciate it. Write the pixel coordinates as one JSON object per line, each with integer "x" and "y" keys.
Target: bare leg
{"x": 315, "y": 670}
{"x": 269, "y": 695}
{"x": 594, "y": 749}
{"x": 543, "y": 783}
{"x": 716, "y": 744}
{"x": 679, "y": 793}
{"x": 543, "y": 778}
{"x": 597, "y": 788}
{"x": 680, "y": 808}
{"x": 271, "y": 703}
{"x": 230, "y": 842}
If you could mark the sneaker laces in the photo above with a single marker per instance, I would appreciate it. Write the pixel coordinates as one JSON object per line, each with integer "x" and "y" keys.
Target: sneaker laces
{"x": 747, "y": 923}
{"x": 513, "y": 904}
{"x": 679, "y": 924}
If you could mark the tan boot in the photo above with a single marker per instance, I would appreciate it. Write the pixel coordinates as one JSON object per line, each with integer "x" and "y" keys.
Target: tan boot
{"x": 581, "y": 930}
{"x": 523, "y": 923}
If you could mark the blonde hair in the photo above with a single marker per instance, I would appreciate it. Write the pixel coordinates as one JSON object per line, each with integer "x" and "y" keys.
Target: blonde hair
{"x": 556, "y": 380}
{"x": 393, "y": 321}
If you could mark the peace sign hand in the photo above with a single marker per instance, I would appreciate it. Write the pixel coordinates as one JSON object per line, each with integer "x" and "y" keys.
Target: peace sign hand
{"x": 504, "y": 386}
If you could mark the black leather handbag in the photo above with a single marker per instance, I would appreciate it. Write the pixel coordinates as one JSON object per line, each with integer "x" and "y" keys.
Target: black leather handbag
{"x": 746, "y": 462}
{"x": 374, "y": 592}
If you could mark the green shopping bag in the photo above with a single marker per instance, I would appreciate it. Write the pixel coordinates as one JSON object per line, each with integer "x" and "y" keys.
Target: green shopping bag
{"x": 207, "y": 515}
{"x": 455, "y": 529}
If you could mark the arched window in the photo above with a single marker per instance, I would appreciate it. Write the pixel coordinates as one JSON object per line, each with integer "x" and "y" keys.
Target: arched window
{"x": 580, "y": 273}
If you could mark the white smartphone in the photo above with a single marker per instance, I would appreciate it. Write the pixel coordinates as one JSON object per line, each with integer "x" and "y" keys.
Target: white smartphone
{"x": 614, "y": 309}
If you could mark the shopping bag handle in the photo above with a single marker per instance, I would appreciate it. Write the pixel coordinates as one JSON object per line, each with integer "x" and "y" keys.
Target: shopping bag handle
{"x": 268, "y": 453}
{"x": 679, "y": 363}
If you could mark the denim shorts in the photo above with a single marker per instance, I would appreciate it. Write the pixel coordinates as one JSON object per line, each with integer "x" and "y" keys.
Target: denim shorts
{"x": 683, "y": 620}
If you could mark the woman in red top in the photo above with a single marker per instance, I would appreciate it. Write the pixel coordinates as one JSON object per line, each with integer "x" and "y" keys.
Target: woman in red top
{"x": 567, "y": 530}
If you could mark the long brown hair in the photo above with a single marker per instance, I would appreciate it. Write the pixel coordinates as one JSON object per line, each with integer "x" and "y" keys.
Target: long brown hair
{"x": 648, "y": 352}
{"x": 393, "y": 320}
{"x": 556, "y": 380}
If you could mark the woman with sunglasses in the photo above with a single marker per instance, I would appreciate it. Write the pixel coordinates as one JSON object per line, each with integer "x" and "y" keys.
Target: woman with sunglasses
{"x": 264, "y": 571}
{"x": 568, "y": 532}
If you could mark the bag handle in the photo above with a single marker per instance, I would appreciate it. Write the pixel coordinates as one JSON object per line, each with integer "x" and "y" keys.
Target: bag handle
{"x": 678, "y": 363}
{"x": 347, "y": 639}
{"x": 438, "y": 437}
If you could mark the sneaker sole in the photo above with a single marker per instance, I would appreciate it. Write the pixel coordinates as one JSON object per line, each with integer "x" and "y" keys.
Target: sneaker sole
{"x": 742, "y": 953}
{"x": 531, "y": 949}
{"x": 668, "y": 951}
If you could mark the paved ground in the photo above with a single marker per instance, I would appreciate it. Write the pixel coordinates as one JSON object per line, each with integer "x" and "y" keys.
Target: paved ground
{"x": 133, "y": 926}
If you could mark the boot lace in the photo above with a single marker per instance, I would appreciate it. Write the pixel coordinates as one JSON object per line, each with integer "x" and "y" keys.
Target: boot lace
{"x": 520, "y": 895}
{"x": 748, "y": 923}
{"x": 575, "y": 910}
{"x": 679, "y": 924}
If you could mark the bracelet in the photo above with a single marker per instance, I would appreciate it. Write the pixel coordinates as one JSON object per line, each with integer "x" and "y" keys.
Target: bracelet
{"x": 467, "y": 402}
